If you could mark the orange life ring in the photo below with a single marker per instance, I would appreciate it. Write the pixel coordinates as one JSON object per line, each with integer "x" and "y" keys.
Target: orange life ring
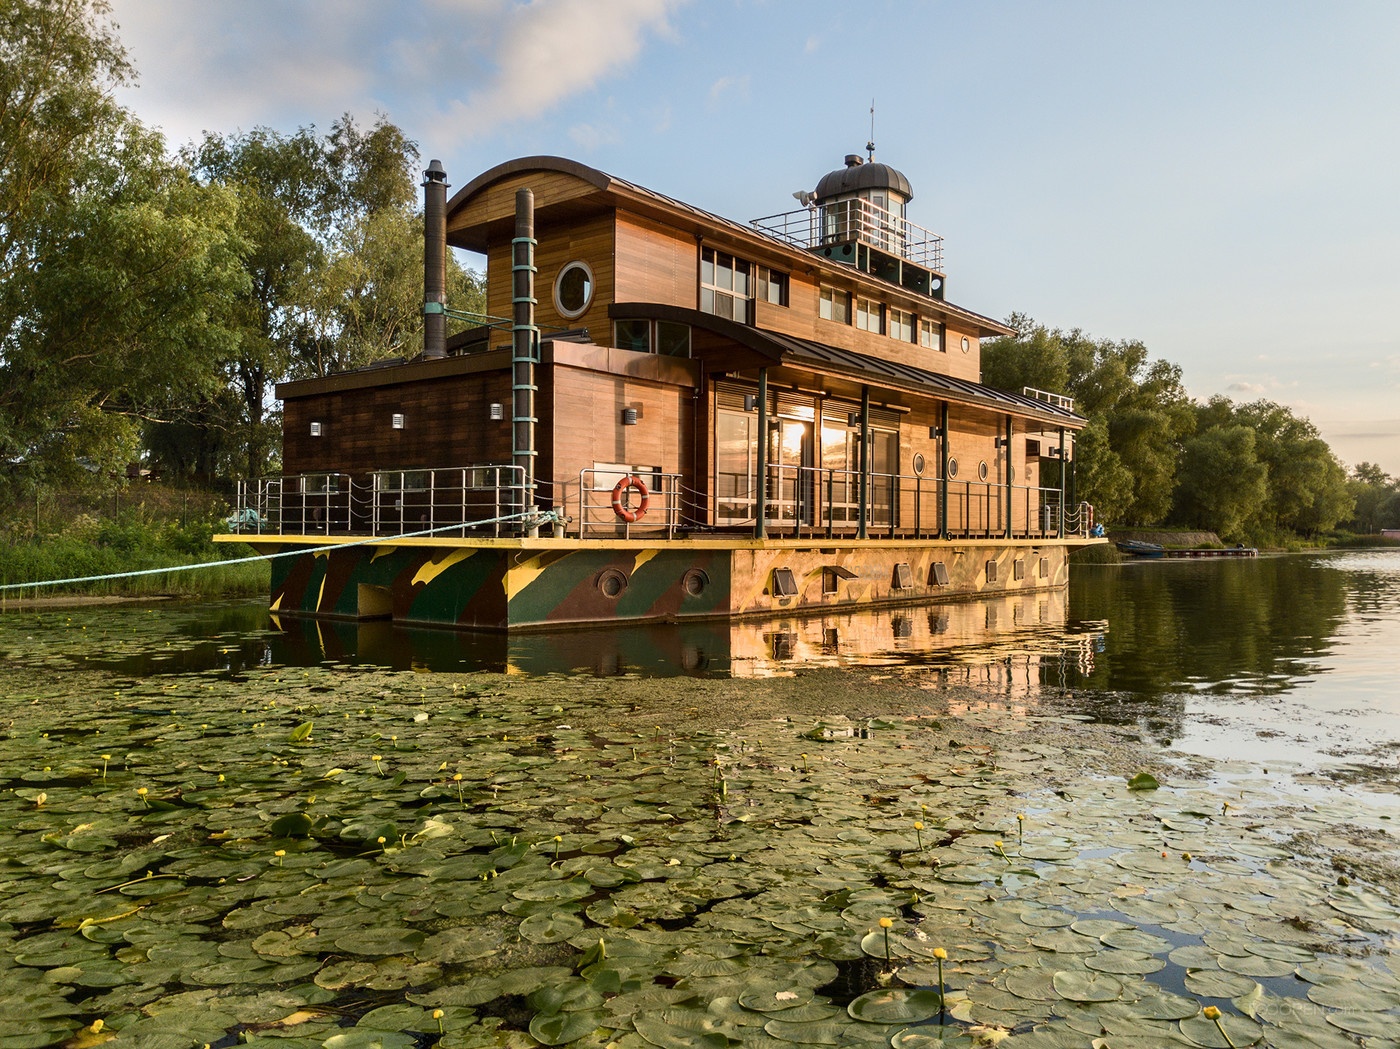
{"x": 620, "y": 491}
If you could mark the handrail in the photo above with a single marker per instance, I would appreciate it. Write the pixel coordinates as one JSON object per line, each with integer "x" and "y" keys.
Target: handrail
{"x": 597, "y": 512}
{"x": 855, "y": 219}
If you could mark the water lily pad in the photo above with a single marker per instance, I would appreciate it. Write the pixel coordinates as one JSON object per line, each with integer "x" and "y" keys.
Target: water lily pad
{"x": 896, "y": 1005}
{"x": 1078, "y": 986}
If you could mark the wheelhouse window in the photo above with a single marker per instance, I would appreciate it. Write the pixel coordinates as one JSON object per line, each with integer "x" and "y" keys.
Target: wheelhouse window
{"x": 931, "y": 334}
{"x": 902, "y": 325}
{"x": 835, "y": 306}
{"x": 772, "y": 286}
{"x": 870, "y": 316}
{"x": 726, "y": 285}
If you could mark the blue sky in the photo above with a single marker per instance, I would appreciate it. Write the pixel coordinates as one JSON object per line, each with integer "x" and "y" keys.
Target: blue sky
{"x": 1216, "y": 179}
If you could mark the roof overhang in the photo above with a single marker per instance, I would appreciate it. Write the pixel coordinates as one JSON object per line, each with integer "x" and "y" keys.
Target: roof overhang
{"x": 789, "y": 351}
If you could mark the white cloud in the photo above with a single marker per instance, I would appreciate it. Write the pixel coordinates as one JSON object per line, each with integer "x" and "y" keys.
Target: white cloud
{"x": 812, "y": 44}
{"x": 1254, "y": 388}
{"x": 547, "y": 50}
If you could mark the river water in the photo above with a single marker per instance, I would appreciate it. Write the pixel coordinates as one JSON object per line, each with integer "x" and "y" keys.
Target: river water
{"x": 1290, "y": 659}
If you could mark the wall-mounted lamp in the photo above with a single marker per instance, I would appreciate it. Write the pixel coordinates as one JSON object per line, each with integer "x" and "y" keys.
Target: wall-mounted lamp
{"x": 315, "y": 429}
{"x": 935, "y": 432}
{"x": 999, "y": 442}
{"x": 631, "y": 416}
{"x": 497, "y": 412}
{"x": 853, "y": 420}
{"x": 397, "y": 421}
{"x": 750, "y": 401}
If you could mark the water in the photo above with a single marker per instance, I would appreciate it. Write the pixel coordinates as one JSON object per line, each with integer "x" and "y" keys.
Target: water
{"x": 1293, "y": 660}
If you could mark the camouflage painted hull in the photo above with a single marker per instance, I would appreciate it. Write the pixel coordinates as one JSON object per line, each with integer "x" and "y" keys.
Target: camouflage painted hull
{"x": 541, "y": 583}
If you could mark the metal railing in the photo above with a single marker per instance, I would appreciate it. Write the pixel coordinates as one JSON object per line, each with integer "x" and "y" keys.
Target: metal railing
{"x": 602, "y": 493}
{"x": 816, "y": 501}
{"x": 856, "y": 219}
{"x": 1059, "y": 400}
{"x": 387, "y": 502}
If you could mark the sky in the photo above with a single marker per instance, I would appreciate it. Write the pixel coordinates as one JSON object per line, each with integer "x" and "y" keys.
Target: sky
{"x": 1216, "y": 179}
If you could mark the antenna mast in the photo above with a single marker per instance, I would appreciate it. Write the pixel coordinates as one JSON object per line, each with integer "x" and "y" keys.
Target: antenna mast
{"x": 870, "y": 146}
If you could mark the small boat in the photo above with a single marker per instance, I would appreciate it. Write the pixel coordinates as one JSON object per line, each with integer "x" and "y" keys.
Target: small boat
{"x": 1137, "y": 548}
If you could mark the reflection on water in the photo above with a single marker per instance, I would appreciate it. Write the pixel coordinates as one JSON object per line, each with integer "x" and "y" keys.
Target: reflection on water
{"x": 1286, "y": 656}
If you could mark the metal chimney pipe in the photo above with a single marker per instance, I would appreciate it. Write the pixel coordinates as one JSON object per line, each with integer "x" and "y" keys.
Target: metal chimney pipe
{"x": 524, "y": 344}
{"x": 434, "y": 261}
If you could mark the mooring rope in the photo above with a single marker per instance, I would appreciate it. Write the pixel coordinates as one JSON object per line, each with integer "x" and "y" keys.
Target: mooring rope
{"x": 533, "y": 515}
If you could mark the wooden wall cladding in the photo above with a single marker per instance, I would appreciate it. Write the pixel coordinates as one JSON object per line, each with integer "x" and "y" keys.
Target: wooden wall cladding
{"x": 445, "y": 424}
{"x": 656, "y": 263}
{"x": 589, "y": 241}
{"x": 496, "y": 203}
{"x": 587, "y": 412}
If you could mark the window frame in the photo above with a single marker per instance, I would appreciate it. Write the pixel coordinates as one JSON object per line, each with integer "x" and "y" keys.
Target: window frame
{"x": 741, "y": 302}
{"x": 827, "y": 299}
{"x": 868, "y": 312}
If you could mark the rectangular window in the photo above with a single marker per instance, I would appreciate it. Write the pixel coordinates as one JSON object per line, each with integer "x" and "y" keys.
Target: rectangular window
{"x": 725, "y": 285}
{"x": 901, "y": 325}
{"x": 870, "y": 316}
{"x": 835, "y": 306}
{"x": 668, "y": 338}
{"x": 931, "y": 334}
{"x": 633, "y": 335}
{"x": 772, "y": 286}
{"x": 672, "y": 339}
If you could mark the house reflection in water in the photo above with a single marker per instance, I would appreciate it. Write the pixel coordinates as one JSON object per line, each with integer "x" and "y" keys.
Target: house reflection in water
{"x": 1007, "y": 645}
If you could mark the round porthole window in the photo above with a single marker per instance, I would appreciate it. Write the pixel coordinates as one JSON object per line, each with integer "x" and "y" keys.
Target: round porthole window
{"x": 952, "y": 468}
{"x": 694, "y": 582}
{"x": 918, "y": 464}
{"x": 966, "y": 344}
{"x": 982, "y": 470}
{"x": 573, "y": 289}
{"x": 612, "y": 583}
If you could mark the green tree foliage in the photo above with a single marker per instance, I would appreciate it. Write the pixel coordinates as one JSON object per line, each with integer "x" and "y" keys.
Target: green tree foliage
{"x": 1224, "y": 485}
{"x": 113, "y": 264}
{"x": 1305, "y": 490}
{"x": 1376, "y": 498}
{"x": 334, "y": 259}
{"x": 1128, "y": 469}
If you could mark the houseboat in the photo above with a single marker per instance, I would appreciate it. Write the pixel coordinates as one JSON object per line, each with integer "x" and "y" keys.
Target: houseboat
{"x": 666, "y": 414}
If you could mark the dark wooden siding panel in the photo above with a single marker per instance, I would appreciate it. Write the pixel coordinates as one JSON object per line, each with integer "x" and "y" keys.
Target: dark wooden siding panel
{"x": 445, "y": 424}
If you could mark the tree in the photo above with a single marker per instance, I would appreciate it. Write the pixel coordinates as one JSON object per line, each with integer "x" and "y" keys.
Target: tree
{"x": 1376, "y": 498}
{"x": 334, "y": 259}
{"x": 113, "y": 264}
{"x": 1141, "y": 404}
{"x": 1224, "y": 485}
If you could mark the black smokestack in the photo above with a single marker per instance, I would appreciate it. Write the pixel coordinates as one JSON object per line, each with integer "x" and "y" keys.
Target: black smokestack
{"x": 434, "y": 260}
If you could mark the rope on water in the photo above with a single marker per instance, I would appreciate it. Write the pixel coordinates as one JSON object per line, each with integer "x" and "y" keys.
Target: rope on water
{"x": 548, "y": 515}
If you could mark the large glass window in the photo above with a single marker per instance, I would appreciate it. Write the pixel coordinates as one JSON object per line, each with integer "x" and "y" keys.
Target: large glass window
{"x": 902, "y": 325}
{"x": 633, "y": 335}
{"x": 835, "y": 306}
{"x": 736, "y": 454}
{"x": 725, "y": 285}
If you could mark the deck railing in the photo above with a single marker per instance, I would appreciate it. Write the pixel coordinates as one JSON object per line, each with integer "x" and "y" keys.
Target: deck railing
{"x": 856, "y": 219}
{"x": 602, "y": 493}
{"x": 815, "y": 501}
{"x": 387, "y": 502}
{"x": 803, "y": 502}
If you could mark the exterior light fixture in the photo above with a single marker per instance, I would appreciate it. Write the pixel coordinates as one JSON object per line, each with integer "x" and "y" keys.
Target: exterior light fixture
{"x": 934, "y": 432}
{"x": 630, "y": 416}
{"x": 315, "y": 429}
{"x": 397, "y": 422}
{"x": 750, "y": 401}
{"x": 497, "y": 412}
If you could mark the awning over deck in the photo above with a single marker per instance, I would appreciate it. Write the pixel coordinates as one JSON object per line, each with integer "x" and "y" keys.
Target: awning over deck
{"x": 782, "y": 349}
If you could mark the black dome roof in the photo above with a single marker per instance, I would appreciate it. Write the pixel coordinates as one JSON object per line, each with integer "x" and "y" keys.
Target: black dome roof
{"x": 858, "y": 175}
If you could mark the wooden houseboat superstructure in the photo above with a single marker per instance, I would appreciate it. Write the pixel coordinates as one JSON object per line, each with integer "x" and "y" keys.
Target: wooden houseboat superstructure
{"x": 718, "y": 419}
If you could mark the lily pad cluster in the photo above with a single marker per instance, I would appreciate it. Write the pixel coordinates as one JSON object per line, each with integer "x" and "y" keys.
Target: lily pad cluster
{"x": 343, "y": 857}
